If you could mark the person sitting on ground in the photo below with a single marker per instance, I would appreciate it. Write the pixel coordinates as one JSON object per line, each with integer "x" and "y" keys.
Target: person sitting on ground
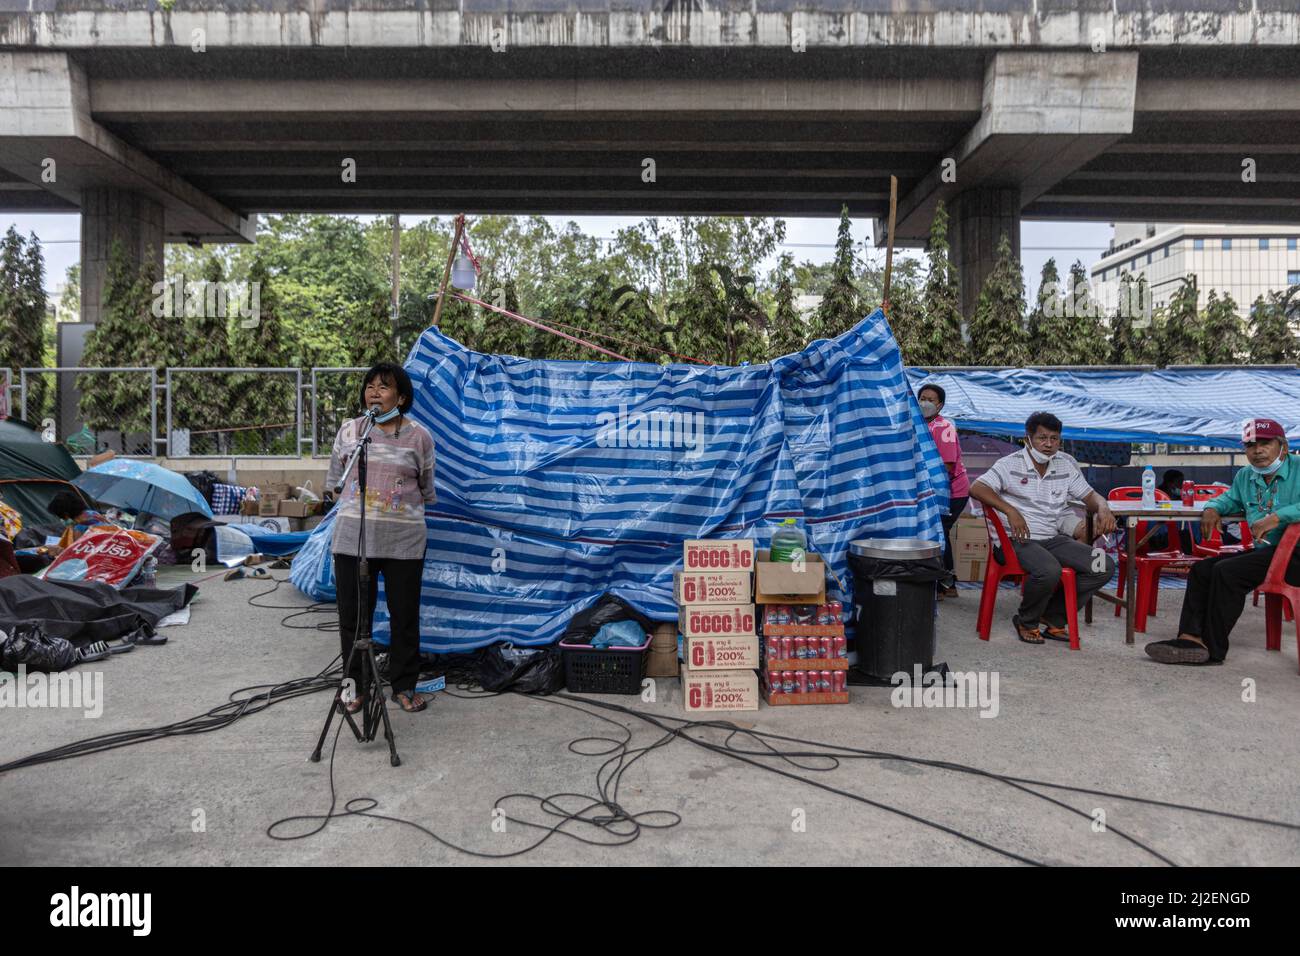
{"x": 1267, "y": 492}
{"x": 70, "y": 508}
{"x": 1033, "y": 489}
{"x": 931, "y": 398}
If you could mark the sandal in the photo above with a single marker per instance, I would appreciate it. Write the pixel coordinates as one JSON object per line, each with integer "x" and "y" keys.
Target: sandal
{"x": 353, "y": 706}
{"x": 1056, "y": 633}
{"x": 410, "y": 701}
{"x": 1029, "y": 635}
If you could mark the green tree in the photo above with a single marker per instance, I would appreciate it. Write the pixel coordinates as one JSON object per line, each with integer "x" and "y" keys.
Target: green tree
{"x": 1179, "y": 327}
{"x": 201, "y": 401}
{"x": 997, "y": 329}
{"x": 1223, "y": 341}
{"x": 907, "y": 317}
{"x": 1272, "y": 336}
{"x": 119, "y": 401}
{"x": 1086, "y": 337}
{"x": 841, "y": 306}
{"x": 940, "y": 341}
{"x": 22, "y": 316}
{"x": 1132, "y": 338}
{"x": 258, "y": 341}
{"x": 1047, "y": 328}
{"x": 787, "y": 332}
{"x": 700, "y": 319}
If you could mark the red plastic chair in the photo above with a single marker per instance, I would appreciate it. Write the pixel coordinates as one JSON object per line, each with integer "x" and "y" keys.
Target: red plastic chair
{"x": 1213, "y": 546}
{"x": 1149, "y": 563}
{"x": 1010, "y": 567}
{"x": 1278, "y": 594}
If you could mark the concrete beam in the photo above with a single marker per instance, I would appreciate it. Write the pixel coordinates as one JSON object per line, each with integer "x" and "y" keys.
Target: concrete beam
{"x": 1044, "y": 116}
{"x": 49, "y": 139}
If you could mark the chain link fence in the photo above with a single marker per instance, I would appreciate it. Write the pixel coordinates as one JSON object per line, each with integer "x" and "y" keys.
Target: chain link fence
{"x": 225, "y": 412}
{"x": 90, "y": 410}
{"x": 335, "y": 397}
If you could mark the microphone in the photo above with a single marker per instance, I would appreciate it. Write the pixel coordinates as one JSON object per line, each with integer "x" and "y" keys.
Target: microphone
{"x": 373, "y": 411}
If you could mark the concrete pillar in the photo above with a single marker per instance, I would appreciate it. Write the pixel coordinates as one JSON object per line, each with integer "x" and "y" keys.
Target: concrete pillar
{"x": 109, "y": 214}
{"x": 977, "y": 219}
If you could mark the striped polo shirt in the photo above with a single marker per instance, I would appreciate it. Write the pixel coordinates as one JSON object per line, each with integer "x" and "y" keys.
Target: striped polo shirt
{"x": 1042, "y": 499}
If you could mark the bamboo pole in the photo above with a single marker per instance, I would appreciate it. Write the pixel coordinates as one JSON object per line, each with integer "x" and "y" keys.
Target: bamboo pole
{"x": 446, "y": 272}
{"x": 889, "y": 247}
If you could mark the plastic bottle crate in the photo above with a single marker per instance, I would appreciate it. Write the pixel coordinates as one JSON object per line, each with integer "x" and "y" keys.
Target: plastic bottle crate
{"x": 610, "y": 670}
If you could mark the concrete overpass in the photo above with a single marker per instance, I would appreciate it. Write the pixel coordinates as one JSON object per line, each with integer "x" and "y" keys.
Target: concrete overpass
{"x": 183, "y": 124}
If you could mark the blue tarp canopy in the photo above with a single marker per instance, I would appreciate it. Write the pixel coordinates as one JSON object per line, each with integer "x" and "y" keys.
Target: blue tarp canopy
{"x": 559, "y": 481}
{"x": 1177, "y": 406}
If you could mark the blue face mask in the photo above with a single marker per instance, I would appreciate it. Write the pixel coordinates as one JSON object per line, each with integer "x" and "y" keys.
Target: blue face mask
{"x": 1267, "y": 470}
{"x": 389, "y": 415}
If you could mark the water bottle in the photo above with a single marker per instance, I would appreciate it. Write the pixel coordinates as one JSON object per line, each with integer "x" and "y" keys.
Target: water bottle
{"x": 1148, "y": 488}
{"x": 788, "y": 542}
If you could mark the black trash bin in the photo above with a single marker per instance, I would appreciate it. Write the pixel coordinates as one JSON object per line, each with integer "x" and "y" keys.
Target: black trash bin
{"x": 893, "y": 602}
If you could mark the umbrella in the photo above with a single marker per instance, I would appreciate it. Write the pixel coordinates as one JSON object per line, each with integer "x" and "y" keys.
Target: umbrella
{"x": 142, "y": 487}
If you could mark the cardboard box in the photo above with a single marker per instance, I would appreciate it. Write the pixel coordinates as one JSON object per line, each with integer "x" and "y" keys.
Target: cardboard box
{"x": 248, "y": 507}
{"x": 281, "y": 488}
{"x": 717, "y": 619}
{"x": 806, "y": 664}
{"x": 268, "y": 504}
{"x": 713, "y": 587}
{"x": 711, "y": 691}
{"x": 662, "y": 663}
{"x": 969, "y": 570}
{"x": 777, "y": 582}
{"x": 297, "y": 509}
{"x": 718, "y": 555}
{"x": 311, "y": 521}
{"x": 721, "y": 653}
{"x": 778, "y": 698}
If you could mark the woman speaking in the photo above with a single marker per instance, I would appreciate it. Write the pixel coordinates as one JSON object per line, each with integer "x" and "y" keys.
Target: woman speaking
{"x": 399, "y": 483}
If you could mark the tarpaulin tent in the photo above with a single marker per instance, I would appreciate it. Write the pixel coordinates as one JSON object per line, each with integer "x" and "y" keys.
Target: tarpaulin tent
{"x": 559, "y": 481}
{"x": 32, "y": 471}
{"x": 1176, "y": 406}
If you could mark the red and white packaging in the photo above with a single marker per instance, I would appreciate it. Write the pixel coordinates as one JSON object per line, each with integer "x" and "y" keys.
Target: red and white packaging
{"x": 713, "y": 587}
{"x": 719, "y": 619}
{"x": 719, "y": 555}
{"x": 721, "y": 653}
{"x": 105, "y": 553}
{"x": 708, "y": 691}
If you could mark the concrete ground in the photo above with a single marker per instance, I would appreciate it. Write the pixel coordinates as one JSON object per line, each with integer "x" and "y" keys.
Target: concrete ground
{"x": 1104, "y": 718}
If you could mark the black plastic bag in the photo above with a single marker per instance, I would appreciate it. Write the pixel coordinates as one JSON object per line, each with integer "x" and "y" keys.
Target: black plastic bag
{"x": 918, "y": 570}
{"x": 607, "y": 609}
{"x": 203, "y": 481}
{"x": 29, "y": 645}
{"x": 524, "y": 670}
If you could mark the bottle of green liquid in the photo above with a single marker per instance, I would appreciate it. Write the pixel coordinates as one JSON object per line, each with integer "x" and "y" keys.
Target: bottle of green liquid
{"x": 788, "y": 542}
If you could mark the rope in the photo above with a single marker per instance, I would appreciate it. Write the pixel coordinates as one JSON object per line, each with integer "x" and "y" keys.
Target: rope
{"x": 538, "y": 325}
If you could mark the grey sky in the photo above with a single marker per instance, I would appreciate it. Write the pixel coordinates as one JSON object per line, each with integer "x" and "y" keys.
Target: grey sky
{"x": 806, "y": 239}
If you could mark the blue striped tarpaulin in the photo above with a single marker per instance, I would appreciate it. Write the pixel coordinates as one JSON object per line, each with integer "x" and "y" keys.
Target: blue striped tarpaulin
{"x": 559, "y": 481}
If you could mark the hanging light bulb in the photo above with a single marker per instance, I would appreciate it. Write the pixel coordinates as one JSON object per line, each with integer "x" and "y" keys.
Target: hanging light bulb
{"x": 463, "y": 275}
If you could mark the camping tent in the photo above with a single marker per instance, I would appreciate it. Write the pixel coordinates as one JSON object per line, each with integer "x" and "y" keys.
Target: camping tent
{"x": 1182, "y": 406}
{"x": 32, "y": 471}
{"x": 558, "y": 481}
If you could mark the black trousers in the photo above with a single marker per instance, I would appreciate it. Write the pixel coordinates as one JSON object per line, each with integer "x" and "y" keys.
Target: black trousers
{"x": 955, "y": 507}
{"x": 402, "y": 577}
{"x": 1216, "y": 594}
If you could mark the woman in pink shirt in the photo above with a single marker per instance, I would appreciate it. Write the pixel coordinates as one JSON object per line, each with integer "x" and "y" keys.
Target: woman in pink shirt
{"x": 932, "y": 398}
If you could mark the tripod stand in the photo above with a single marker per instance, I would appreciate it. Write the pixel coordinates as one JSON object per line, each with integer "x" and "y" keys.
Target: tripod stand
{"x": 374, "y": 712}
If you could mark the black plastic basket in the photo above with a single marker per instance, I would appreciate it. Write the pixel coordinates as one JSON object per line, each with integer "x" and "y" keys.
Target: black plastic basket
{"x": 609, "y": 670}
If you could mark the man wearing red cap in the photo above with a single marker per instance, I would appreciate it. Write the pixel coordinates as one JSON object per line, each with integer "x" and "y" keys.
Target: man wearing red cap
{"x": 1268, "y": 494}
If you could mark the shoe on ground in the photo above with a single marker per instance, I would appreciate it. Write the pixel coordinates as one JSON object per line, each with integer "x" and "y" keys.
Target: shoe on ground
{"x": 1178, "y": 651}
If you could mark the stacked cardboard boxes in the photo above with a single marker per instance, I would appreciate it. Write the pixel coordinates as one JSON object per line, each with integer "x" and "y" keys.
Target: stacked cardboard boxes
{"x": 970, "y": 548}
{"x": 280, "y": 500}
{"x": 803, "y": 636}
{"x": 719, "y": 637}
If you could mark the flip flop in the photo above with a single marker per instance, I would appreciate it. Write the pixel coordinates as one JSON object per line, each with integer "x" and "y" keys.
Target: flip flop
{"x": 1056, "y": 633}
{"x": 403, "y": 698}
{"x": 1021, "y": 631}
{"x": 145, "y": 634}
{"x": 94, "y": 651}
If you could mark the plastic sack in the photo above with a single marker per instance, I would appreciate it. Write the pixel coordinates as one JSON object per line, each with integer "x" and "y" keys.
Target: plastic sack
{"x": 105, "y": 553}
{"x": 607, "y": 609}
{"x": 524, "y": 670}
{"x": 619, "y": 634}
{"x": 918, "y": 570}
{"x": 31, "y": 646}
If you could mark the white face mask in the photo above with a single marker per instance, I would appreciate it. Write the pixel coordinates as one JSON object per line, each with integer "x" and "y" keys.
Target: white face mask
{"x": 929, "y": 409}
{"x": 1038, "y": 456}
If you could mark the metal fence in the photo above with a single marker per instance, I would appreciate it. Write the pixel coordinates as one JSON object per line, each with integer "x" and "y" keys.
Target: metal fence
{"x": 93, "y": 409}
{"x": 335, "y": 396}
{"x": 224, "y": 412}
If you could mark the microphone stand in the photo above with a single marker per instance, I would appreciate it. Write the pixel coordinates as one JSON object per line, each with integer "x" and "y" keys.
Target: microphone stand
{"x": 375, "y": 710}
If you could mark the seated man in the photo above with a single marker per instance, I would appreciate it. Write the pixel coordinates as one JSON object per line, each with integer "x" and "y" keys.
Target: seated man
{"x": 1268, "y": 494}
{"x": 1033, "y": 488}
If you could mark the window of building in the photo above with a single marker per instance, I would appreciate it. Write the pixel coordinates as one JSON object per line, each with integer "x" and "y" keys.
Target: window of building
{"x": 1226, "y": 245}
{"x": 1150, "y": 255}
{"x": 1263, "y": 245}
{"x": 1291, "y": 245}
{"x": 1198, "y": 244}
{"x": 1166, "y": 255}
{"x": 1293, "y": 277}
